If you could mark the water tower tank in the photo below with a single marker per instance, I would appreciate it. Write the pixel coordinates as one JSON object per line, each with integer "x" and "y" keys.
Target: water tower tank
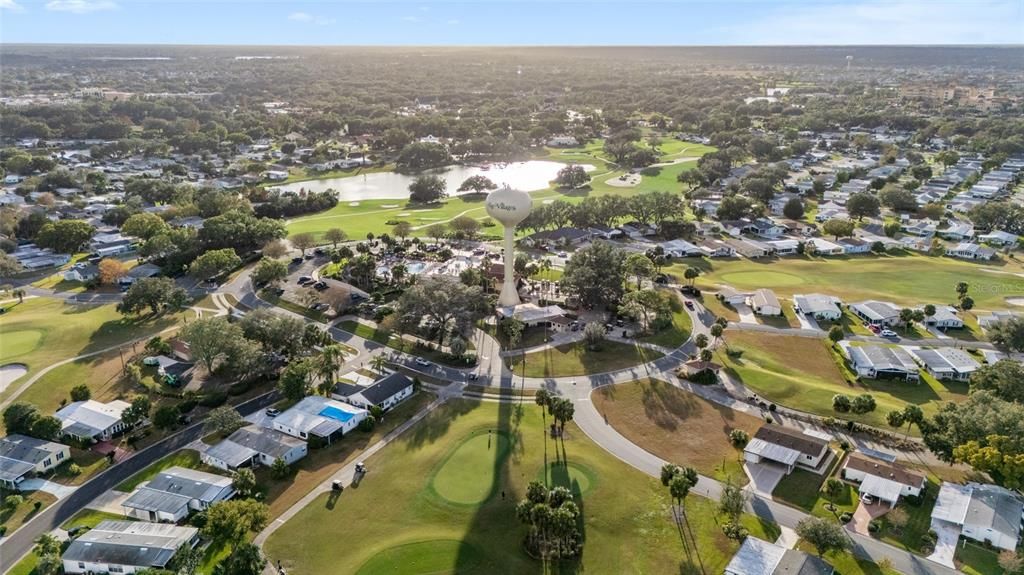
{"x": 508, "y": 206}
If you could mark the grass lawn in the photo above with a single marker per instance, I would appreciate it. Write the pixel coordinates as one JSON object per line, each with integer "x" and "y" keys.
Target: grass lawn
{"x": 802, "y": 373}
{"x": 676, "y": 425}
{"x": 676, "y": 334}
{"x": 847, "y": 564}
{"x": 719, "y": 308}
{"x": 43, "y": 331}
{"x": 918, "y": 523}
{"x": 91, "y": 518}
{"x": 973, "y": 559}
{"x": 429, "y": 475}
{"x": 396, "y": 341}
{"x": 576, "y": 359}
{"x": 102, "y": 373}
{"x": 786, "y": 320}
{"x": 802, "y": 489}
{"x": 27, "y": 566}
{"x": 188, "y": 458}
{"x": 89, "y": 463}
{"x": 903, "y": 279}
{"x": 15, "y": 518}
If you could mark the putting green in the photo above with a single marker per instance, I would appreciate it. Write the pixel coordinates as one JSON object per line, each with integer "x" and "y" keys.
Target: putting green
{"x": 436, "y": 557}
{"x": 19, "y": 342}
{"x": 757, "y": 279}
{"x": 576, "y": 477}
{"x": 466, "y": 476}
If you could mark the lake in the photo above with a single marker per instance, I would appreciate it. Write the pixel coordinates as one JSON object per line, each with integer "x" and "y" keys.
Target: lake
{"x": 527, "y": 176}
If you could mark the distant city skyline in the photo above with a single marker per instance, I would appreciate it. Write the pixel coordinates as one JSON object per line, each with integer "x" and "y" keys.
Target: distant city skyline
{"x": 529, "y": 22}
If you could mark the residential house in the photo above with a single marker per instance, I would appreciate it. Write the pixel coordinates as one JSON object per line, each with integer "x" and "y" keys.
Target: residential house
{"x": 946, "y": 363}
{"x": 915, "y": 244}
{"x": 775, "y": 444}
{"x": 680, "y": 249}
{"x": 875, "y": 361}
{"x": 982, "y": 512}
{"x": 852, "y": 246}
{"x": 970, "y": 251}
{"x": 385, "y": 393}
{"x": 713, "y": 248}
{"x": 560, "y": 236}
{"x": 992, "y": 318}
{"x": 819, "y": 306}
{"x": 126, "y": 547}
{"x": 999, "y": 238}
{"x": 22, "y": 457}
{"x": 563, "y": 142}
{"x": 883, "y": 480}
{"x": 767, "y": 228}
{"x": 732, "y": 296}
{"x": 532, "y": 315}
{"x": 823, "y": 247}
{"x": 252, "y": 446}
{"x": 320, "y": 417}
{"x": 138, "y": 272}
{"x": 748, "y": 248}
{"x": 783, "y": 247}
{"x": 945, "y": 318}
{"x": 922, "y": 228}
{"x": 958, "y": 231}
{"x": 764, "y": 302}
{"x": 82, "y": 272}
{"x": 91, "y": 420}
{"x": 796, "y": 227}
{"x": 759, "y": 557}
{"x": 880, "y": 313}
{"x": 174, "y": 492}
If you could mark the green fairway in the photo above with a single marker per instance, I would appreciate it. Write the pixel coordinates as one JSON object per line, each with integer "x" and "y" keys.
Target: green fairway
{"x": 908, "y": 279}
{"x": 802, "y": 373}
{"x": 43, "y": 331}
{"x": 454, "y": 485}
{"x": 575, "y": 359}
{"x": 394, "y": 522}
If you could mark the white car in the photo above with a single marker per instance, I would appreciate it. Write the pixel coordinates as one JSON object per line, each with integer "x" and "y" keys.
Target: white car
{"x": 867, "y": 499}
{"x": 422, "y": 362}
{"x": 888, "y": 333}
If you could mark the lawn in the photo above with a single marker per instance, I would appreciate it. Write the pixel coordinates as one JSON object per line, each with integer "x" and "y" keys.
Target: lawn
{"x": 719, "y": 308}
{"x": 802, "y": 489}
{"x": 396, "y": 341}
{"x": 43, "y": 331}
{"x": 91, "y": 518}
{"x": 918, "y": 523}
{"x": 15, "y": 518}
{"x": 430, "y": 475}
{"x": 903, "y": 279}
{"x": 675, "y": 335}
{"x": 188, "y": 458}
{"x": 677, "y": 425}
{"x": 973, "y": 559}
{"x": 102, "y": 373}
{"x": 802, "y": 373}
{"x": 575, "y": 359}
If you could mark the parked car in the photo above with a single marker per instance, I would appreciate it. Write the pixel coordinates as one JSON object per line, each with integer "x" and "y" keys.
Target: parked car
{"x": 319, "y": 251}
{"x": 297, "y": 260}
{"x": 690, "y": 291}
{"x": 320, "y": 285}
{"x": 303, "y": 280}
{"x": 422, "y": 362}
{"x": 563, "y": 255}
{"x": 473, "y": 376}
{"x": 888, "y": 333}
{"x": 358, "y": 297}
{"x": 874, "y": 328}
{"x": 272, "y": 412}
{"x": 867, "y": 499}
{"x": 689, "y": 304}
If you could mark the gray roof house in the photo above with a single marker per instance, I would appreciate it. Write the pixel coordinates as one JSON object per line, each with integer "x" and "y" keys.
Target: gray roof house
{"x": 22, "y": 456}
{"x": 92, "y": 420}
{"x": 254, "y": 445}
{"x": 818, "y": 305}
{"x": 982, "y": 512}
{"x": 880, "y": 313}
{"x": 174, "y": 492}
{"x": 759, "y": 557}
{"x": 126, "y": 547}
{"x": 946, "y": 362}
{"x": 881, "y": 362}
{"x": 384, "y": 393}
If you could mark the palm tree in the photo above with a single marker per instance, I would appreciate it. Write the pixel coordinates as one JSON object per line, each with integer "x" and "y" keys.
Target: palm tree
{"x": 332, "y": 358}
{"x": 20, "y": 294}
{"x": 679, "y": 487}
{"x": 833, "y": 487}
{"x": 912, "y": 414}
{"x": 906, "y": 318}
{"x": 706, "y": 355}
{"x": 378, "y": 362}
{"x": 691, "y": 274}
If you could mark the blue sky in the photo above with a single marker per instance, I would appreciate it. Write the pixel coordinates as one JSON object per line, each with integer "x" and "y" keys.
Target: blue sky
{"x": 528, "y": 22}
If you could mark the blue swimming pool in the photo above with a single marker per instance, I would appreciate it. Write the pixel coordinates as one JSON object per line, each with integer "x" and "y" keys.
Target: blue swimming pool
{"x": 335, "y": 413}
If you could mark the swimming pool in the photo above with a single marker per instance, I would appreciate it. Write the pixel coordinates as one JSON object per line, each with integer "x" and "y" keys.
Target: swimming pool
{"x": 335, "y": 413}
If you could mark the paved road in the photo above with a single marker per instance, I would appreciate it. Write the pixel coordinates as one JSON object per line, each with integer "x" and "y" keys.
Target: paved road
{"x": 14, "y": 547}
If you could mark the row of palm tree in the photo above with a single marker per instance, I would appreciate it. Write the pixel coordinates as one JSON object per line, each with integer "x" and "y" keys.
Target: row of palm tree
{"x": 679, "y": 481}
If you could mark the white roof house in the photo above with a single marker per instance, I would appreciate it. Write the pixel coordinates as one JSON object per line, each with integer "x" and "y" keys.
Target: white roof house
{"x": 126, "y": 547}
{"x": 91, "y": 419}
{"x": 877, "y": 312}
{"x": 254, "y": 445}
{"x": 946, "y": 362}
{"x": 881, "y": 362}
{"x": 319, "y": 416}
{"x": 21, "y": 456}
{"x": 945, "y": 316}
{"x": 759, "y": 557}
{"x": 818, "y": 305}
{"x": 999, "y": 238}
{"x": 884, "y": 480}
{"x": 174, "y": 491}
{"x": 764, "y": 302}
{"x": 970, "y": 251}
{"x": 983, "y": 512}
{"x": 785, "y": 446}
{"x": 532, "y": 314}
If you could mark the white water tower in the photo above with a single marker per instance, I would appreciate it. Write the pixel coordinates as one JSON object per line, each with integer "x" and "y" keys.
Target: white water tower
{"x": 509, "y": 207}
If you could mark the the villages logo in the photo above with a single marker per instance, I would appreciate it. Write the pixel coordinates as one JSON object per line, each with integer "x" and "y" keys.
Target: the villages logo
{"x": 501, "y": 206}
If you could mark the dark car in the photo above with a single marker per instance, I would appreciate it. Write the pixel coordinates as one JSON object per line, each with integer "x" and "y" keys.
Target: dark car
{"x": 689, "y": 305}
{"x": 297, "y": 260}
{"x": 690, "y": 290}
{"x": 358, "y": 297}
{"x": 303, "y": 280}
{"x": 319, "y": 251}
{"x": 320, "y": 286}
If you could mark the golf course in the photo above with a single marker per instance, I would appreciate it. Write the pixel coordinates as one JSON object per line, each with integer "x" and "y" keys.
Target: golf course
{"x": 441, "y": 499}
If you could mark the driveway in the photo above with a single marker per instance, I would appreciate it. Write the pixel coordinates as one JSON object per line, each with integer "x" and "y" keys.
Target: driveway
{"x": 763, "y": 477}
{"x": 56, "y": 489}
{"x": 864, "y": 514}
{"x": 746, "y": 314}
{"x": 945, "y": 547}
{"x": 807, "y": 322}
{"x": 109, "y": 501}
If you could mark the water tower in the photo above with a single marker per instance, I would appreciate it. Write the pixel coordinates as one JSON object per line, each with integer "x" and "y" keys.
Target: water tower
{"x": 509, "y": 207}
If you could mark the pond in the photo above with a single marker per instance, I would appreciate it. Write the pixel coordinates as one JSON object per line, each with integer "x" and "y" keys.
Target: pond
{"x": 527, "y": 176}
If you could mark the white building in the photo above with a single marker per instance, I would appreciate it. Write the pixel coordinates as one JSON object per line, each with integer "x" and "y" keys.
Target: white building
{"x": 819, "y": 306}
{"x": 174, "y": 492}
{"x": 970, "y": 251}
{"x": 22, "y": 456}
{"x": 945, "y": 317}
{"x": 787, "y": 447}
{"x": 126, "y": 547}
{"x": 981, "y": 512}
{"x": 947, "y": 363}
{"x": 883, "y": 480}
{"x": 881, "y": 362}
{"x": 92, "y": 420}
{"x": 385, "y": 393}
{"x": 879, "y": 313}
{"x": 320, "y": 417}
{"x": 251, "y": 446}
{"x": 764, "y": 302}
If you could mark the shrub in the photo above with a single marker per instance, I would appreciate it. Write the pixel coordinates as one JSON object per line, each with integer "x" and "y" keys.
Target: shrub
{"x": 3, "y": 530}
{"x": 367, "y": 424}
{"x": 238, "y": 388}
{"x": 213, "y": 399}
{"x": 873, "y": 527}
{"x": 772, "y": 407}
{"x": 198, "y": 520}
{"x": 74, "y": 469}
{"x": 739, "y": 437}
{"x": 846, "y": 517}
{"x": 37, "y": 505}
{"x": 187, "y": 405}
